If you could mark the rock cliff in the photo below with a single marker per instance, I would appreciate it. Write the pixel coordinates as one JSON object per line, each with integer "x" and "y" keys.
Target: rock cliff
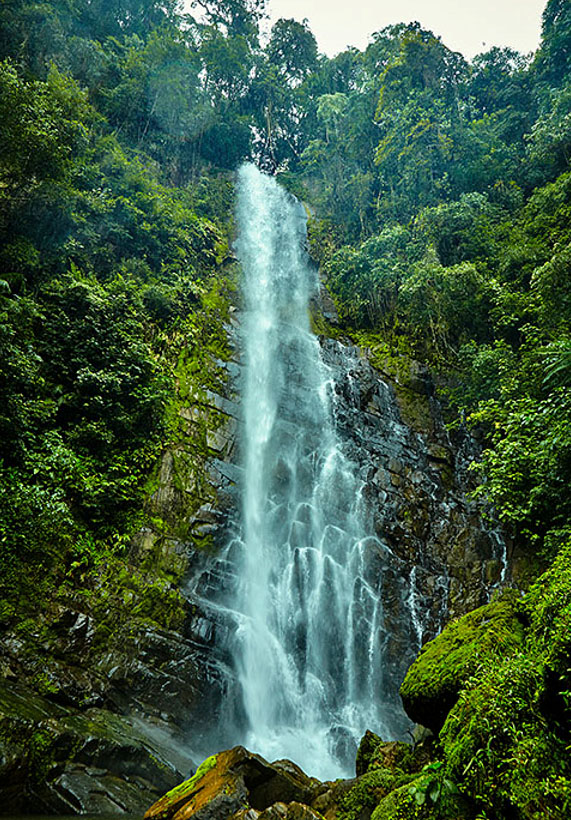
{"x": 432, "y": 557}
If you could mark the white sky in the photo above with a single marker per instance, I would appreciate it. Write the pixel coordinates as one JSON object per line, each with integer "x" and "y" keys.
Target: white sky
{"x": 468, "y": 26}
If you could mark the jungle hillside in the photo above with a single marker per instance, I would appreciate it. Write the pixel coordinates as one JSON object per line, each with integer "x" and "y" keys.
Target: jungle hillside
{"x": 440, "y": 198}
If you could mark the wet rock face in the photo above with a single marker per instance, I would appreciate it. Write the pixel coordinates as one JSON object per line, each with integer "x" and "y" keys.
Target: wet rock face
{"x": 99, "y": 728}
{"x": 430, "y": 555}
{"x": 415, "y": 484}
{"x": 55, "y": 759}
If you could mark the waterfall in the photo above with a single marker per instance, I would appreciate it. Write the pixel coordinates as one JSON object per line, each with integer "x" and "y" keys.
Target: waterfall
{"x": 308, "y": 646}
{"x": 346, "y": 540}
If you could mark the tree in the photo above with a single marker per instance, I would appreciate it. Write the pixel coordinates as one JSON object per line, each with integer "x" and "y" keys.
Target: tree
{"x": 553, "y": 60}
{"x": 418, "y": 116}
{"x": 292, "y": 49}
{"x": 498, "y": 81}
{"x": 239, "y": 18}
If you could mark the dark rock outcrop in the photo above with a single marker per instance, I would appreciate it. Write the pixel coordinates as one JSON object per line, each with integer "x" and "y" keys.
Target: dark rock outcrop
{"x": 368, "y": 745}
{"x": 438, "y": 558}
{"x": 55, "y": 759}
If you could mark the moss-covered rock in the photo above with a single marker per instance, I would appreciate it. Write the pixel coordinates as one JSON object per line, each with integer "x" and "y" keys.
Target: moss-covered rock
{"x": 298, "y": 811}
{"x": 398, "y": 758}
{"x": 411, "y": 380}
{"x": 507, "y": 738}
{"x": 184, "y": 793}
{"x": 359, "y": 802}
{"x": 233, "y": 782}
{"x": 548, "y": 608}
{"x": 216, "y": 790}
{"x": 433, "y": 682}
{"x": 399, "y": 804}
{"x": 411, "y": 801}
{"x": 365, "y": 752}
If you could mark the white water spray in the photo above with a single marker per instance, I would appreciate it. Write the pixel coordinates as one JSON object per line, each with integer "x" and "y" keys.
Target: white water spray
{"x": 308, "y": 645}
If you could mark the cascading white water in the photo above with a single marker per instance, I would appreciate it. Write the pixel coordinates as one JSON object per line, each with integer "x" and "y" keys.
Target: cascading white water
{"x": 308, "y": 646}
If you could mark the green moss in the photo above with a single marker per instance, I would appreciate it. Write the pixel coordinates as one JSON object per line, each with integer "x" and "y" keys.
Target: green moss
{"x": 7, "y": 612}
{"x": 199, "y": 349}
{"x": 321, "y": 327}
{"x": 399, "y": 804}
{"x": 40, "y": 755}
{"x": 366, "y": 751}
{"x": 434, "y": 680}
{"x": 395, "y": 360}
{"x": 371, "y": 787}
{"x": 507, "y": 738}
{"x": 548, "y": 607}
{"x": 183, "y": 790}
{"x": 162, "y": 604}
{"x": 44, "y": 684}
{"x": 398, "y": 757}
{"x": 485, "y": 727}
{"x": 420, "y": 800}
{"x": 22, "y": 705}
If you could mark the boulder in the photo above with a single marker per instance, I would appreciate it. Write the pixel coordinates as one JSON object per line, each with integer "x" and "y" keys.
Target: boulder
{"x": 367, "y": 747}
{"x": 433, "y": 682}
{"x": 239, "y": 784}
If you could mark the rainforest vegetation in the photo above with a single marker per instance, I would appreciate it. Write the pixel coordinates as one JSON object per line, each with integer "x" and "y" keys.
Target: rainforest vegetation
{"x": 440, "y": 193}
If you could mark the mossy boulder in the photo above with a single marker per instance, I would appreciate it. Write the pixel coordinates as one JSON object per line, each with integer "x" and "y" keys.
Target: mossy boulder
{"x": 433, "y": 682}
{"x": 548, "y": 609}
{"x": 393, "y": 755}
{"x": 399, "y": 804}
{"x": 237, "y": 782}
{"x": 359, "y": 801}
{"x": 365, "y": 752}
{"x": 192, "y": 792}
{"x": 507, "y": 738}
{"x": 389, "y": 768}
{"x": 410, "y": 801}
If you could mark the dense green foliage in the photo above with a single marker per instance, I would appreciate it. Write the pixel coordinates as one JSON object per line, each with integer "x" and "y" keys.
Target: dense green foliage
{"x": 104, "y": 262}
{"x": 449, "y": 225}
{"x": 505, "y": 742}
{"x": 441, "y": 194}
